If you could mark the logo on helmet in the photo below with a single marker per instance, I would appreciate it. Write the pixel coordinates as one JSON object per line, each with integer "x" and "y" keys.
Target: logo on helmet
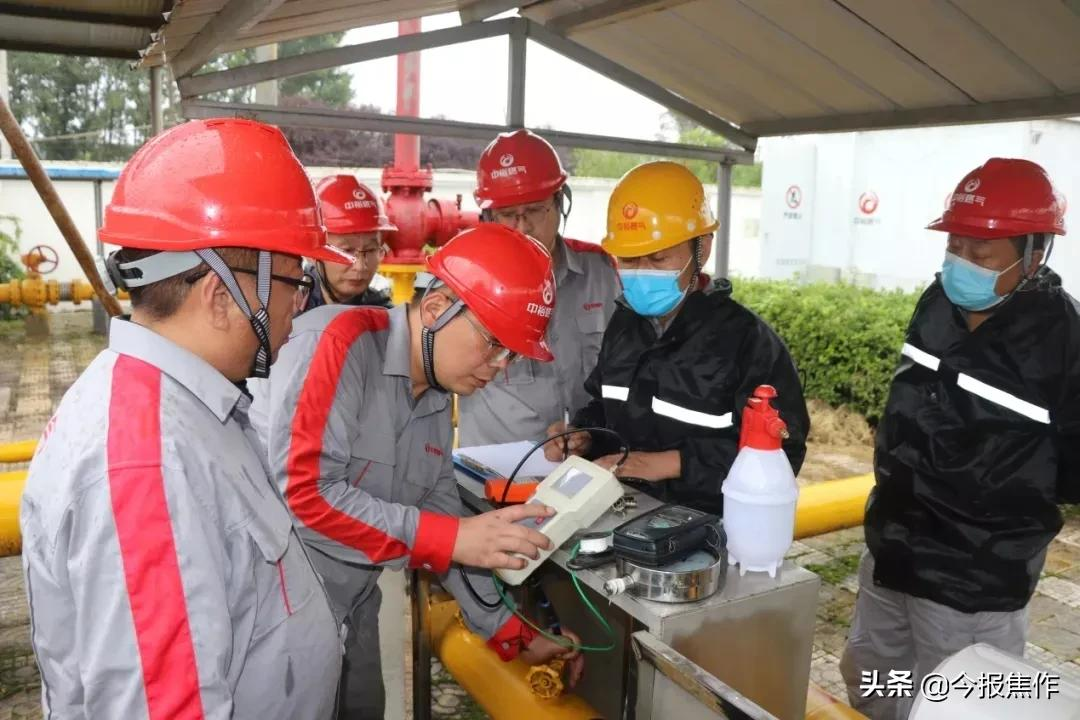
{"x": 549, "y": 293}
{"x": 361, "y": 201}
{"x": 538, "y": 310}
{"x": 508, "y": 168}
{"x": 629, "y": 210}
{"x": 972, "y": 185}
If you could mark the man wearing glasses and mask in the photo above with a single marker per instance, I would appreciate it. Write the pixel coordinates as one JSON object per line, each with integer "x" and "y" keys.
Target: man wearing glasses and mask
{"x": 360, "y": 439}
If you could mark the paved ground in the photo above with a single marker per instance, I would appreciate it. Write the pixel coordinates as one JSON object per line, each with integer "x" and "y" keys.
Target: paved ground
{"x": 35, "y": 374}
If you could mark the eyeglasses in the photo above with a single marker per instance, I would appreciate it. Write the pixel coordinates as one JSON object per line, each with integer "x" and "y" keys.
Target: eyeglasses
{"x": 303, "y": 284}
{"x": 496, "y": 354}
{"x": 533, "y": 214}
{"x": 371, "y": 256}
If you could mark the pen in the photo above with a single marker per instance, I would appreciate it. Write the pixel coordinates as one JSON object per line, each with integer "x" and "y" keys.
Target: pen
{"x": 566, "y": 438}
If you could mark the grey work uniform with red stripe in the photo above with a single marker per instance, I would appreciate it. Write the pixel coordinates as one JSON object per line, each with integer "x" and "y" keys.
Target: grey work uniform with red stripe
{"x": 164, "y": 575}
{"x": 522, "y": 402}
{"x": 366, "y": 468}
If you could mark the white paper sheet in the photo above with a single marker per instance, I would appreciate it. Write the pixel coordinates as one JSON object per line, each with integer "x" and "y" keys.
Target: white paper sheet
{"x": 505, "y": 457}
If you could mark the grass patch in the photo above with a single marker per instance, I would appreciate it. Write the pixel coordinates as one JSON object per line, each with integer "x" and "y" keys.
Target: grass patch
{"x": 836, "y": 613}
{"x": 836, "y": 570}
{"x": 12, "y": 329}
{"x": 1070, "y": 512}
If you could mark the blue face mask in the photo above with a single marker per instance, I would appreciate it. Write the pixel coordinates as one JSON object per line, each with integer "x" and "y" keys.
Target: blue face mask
{"x": 652, "y": 293}
{"x": 970, "y": 286}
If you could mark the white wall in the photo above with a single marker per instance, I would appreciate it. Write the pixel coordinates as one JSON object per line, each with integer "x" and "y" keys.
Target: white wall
{"x": 586, "y": 222}
{"x": 18, "y": 198}
{"x": 912, "y": 172}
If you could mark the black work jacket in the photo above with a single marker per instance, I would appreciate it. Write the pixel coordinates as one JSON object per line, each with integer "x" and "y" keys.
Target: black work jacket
{"x": 979, "y": 442}
{"x": 685, "y": 390}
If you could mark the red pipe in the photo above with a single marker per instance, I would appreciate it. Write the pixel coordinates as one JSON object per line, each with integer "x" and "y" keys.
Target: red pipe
{"x": 420, "y": 222}
{"x": 407, "y": 147}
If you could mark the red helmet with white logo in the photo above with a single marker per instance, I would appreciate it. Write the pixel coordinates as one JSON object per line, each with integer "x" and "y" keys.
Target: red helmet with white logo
{"x": 517, "y": 168}
{"x": 505, "y": 278}
{"x": 350, "y": 207}
{"x": 217, "y": 183}
{"x": 1003, "y": 198}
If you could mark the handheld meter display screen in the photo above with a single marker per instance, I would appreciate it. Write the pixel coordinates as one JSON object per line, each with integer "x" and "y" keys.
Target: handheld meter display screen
{"x": 580, "y": 492}
{"x": 571, "y": 483}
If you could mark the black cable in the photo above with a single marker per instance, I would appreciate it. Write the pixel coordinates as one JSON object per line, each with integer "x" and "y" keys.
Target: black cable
{"x": 623, "y": 448}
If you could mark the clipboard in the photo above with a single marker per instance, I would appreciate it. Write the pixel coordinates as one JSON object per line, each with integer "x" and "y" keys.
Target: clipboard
{"x": 494, "y": 483}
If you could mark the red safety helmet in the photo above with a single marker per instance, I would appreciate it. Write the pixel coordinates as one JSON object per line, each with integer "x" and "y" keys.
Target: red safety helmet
{"x": 217, "y": 183}
{"x": 349, "y": 207}
{"x": 1003, "y": 198}
{"x": 516, "y": 168}
{"x": 505, "y": 278}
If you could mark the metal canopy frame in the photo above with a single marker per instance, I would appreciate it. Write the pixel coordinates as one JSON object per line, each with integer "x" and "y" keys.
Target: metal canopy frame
{"x": 329, "y": 119}
{"x": 83, "y": 50}
{"x": 518, "y": 30}
{"x": 236, "y": 16}
{"x": 93, "y": 17}
{"x": 81, "y": 28}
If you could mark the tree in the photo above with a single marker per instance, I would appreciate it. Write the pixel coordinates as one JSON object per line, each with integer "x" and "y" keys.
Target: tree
{"x": 603, "y": 163}
{"x": 606, "y": 164}
{"x": 79, "y": 108}
{"x": 331, "y": 87}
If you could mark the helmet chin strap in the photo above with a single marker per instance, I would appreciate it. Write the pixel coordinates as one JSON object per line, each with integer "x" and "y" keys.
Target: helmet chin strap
{"x": 1029, "y": 250}
{"x": 427, "y": 339}
{"x": 564, "y": 203}
{"x": 259, "y": 319}
{"x": 320, "y": 268}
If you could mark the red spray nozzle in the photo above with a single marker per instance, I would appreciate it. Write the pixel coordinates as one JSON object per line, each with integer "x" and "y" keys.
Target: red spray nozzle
{"x": 762, "y": 426}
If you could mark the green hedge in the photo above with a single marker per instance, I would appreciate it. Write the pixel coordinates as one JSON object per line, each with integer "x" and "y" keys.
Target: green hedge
{"x": 845, "y": 339}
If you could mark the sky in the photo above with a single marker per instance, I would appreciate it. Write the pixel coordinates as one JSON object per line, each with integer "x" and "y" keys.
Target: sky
{"x": 467, "y": 82}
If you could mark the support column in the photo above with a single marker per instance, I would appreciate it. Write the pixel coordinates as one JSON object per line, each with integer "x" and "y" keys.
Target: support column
{"x": 157, "y": 116}
{"x": 266, "y": 93}
{"x": 723, "y": 215}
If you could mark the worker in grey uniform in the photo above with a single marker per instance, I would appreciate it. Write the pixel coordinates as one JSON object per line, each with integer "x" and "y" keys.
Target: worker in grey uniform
{"x": 164, "y": 575}
{"x": 520, "y": 183}
{"x": 360, "y": 440}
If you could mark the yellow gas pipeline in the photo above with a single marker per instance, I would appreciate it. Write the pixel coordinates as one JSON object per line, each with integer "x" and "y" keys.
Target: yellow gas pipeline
{"x": 820, "y": 705}
{"x": 832, "y": 505}
{"x": 503, "y": 689}
{"x": 17, "y": 451}
{"x": 36, "y": 292}
{"x": 11, "y": 487}
{"x": 402, "y": 278}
